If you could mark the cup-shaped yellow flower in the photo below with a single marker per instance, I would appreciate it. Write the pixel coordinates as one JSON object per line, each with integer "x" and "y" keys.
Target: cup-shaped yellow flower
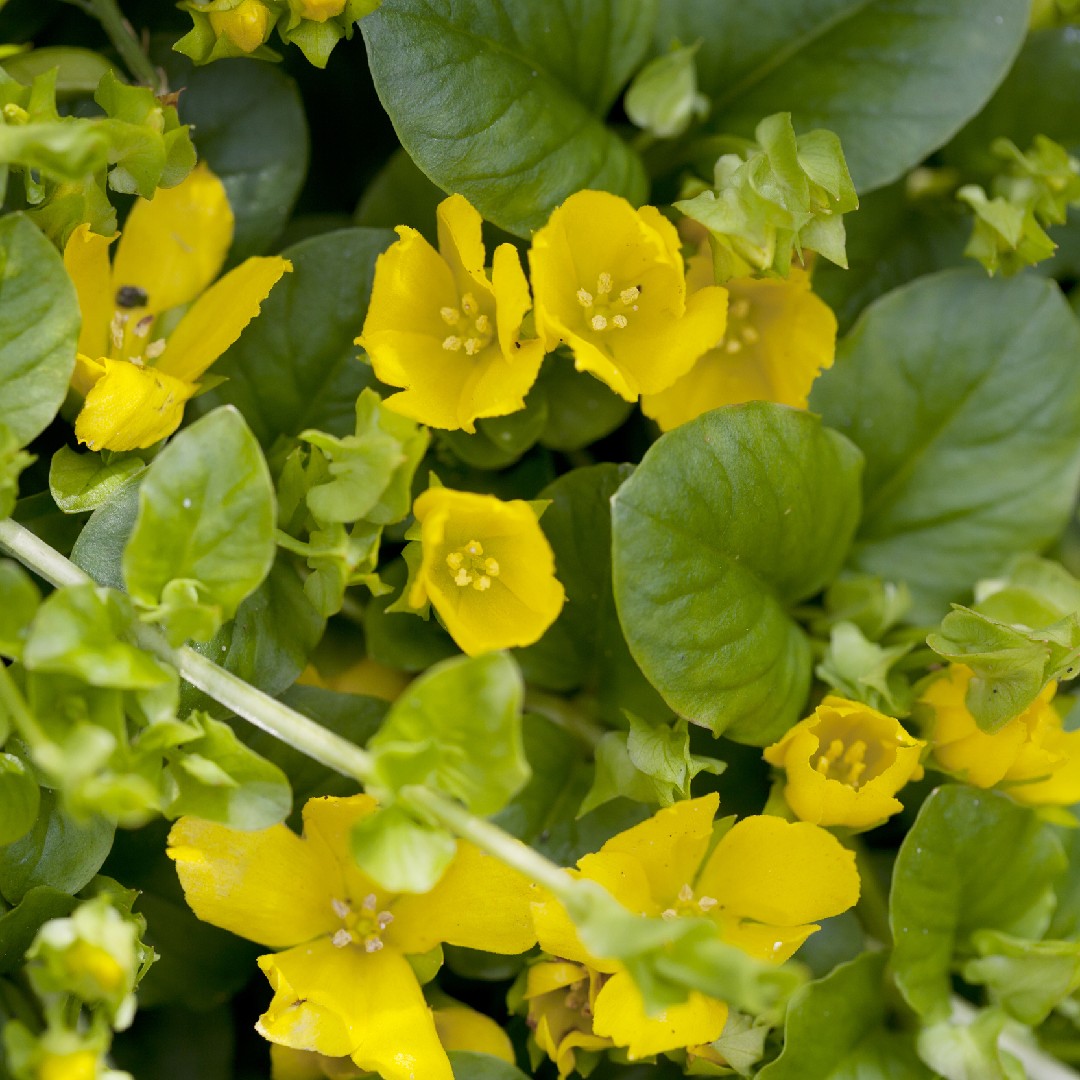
{"x": 779, "y": 338}
{"x": 486, "y": 567}
{"x": 845, "y": 763}
{"x": 561, "y": 998}
{"x": 440, "y": 327}
{"x": 343, "y": 986}
{"x": 765, "y": 884}
{"x": 609, "y": 281}
{"x": 137, "y": 364}
{"x": 1032, "y": 756}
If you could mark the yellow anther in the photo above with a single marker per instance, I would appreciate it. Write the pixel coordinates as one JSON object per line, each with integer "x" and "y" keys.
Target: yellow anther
{"x": 452, "y": 344}
{"x": 473, "y": 346}
{"x": 628, "y": 296}
{"x": 155, "y": 349}
{"x": 670, "y": 913}
{"x": 491, "y": 566}
{"x": 142, "y": 327}
{"x": 450, "y": 315}
{"x": 341, "y": 908}
{"x": 585, "y": 299}
{"x": 598, "y": 322}
{"x": 370, "y": 902}
{"x": 483, "y": 324}
{"x": 619, "y": 321}
{"x": 468, "y": 304}
{"x": 707, "y": 903}
{"x": 749, "y": 335}
{"x": 686, "y": 894}
{"x": 603, "y": 283}
{"x": 732, "y": 346}
{"x": 482, "y": 583}
{"x": 474, "y": 547}
{"x": 463, "y": 577}
{"x": 116, "y": 328}
{"x": 454, "y": 560}
{"x": 470, "y": 566}
{"x": 341, "y": 939}
{"x": 373, "y": 944}
{"x": 740, "y": 308}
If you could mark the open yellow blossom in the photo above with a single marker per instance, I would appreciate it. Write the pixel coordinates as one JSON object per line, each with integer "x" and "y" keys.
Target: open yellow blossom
{"x": 486, "y": 567}
{"x": 779, "y": 338}
{"x": 764, "y": 884}
{"x": 561, "y": 999}
{"x": 438, "y": 326}
{"x": 1032, "y": 756}
{"x": 343, "y": 986}
{"x": 458, "y": 1028}
{"x": 845, "y": 763}
{"x": 609, "y": 281}
{"x": 135, "y": 372}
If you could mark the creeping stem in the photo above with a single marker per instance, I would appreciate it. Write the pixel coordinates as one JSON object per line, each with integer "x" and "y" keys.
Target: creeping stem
{"x": 124, "y": 41}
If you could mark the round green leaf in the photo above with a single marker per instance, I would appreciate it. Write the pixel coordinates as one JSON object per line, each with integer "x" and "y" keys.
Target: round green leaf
{"x": 964, "y": 394}
{"x": 19, "y": 799}
{"x": 503, "y": 101}
{"x": 727, "y": 523}
{"x": 893, "y": 78}
{"x": 399, "y": 853}
{"x": 39, "y": 325}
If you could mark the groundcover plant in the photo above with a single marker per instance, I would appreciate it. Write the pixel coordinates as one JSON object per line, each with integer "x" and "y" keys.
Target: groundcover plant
{"x": 538, "y": 538}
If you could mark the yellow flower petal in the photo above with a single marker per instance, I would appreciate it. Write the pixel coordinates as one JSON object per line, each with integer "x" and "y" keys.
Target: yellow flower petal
{"x": 131, "y": 408}
{"x": 174, "y": 245}
{"x": 86, "y": 259}
{"x": 461, "y": 243}
{"x": 506, "y": 599}
{"x": 780, "y": 873}
{"x": 779, "y": 338}
{"x": 1062, "y": 786}
{"x": 462, "y": 1028}
{"x": 479, "y": 903}
{"x": 289, "y": 1064}
{"x": 88, "y": 370}
{"x": 327, "y": 824}
{"x": 218, "y": 316}
{"x": 561, "y": 997}
{"x": 346, "y": 1001}
{"x": 268, "y": 886}
{"x": 609, "y": 281}
{"x": 558, "y": 936}
{"x": 620, "y": 1016}
{"x": 845, "y": 763}
{"x": 668, "y": 847}
{"x": 773, "y": 944}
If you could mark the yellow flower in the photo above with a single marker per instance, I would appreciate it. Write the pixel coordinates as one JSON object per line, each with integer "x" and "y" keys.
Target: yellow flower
{"x": 764, "y": 884}
{"x": 845, "y": 763}
{"x": 319, "y": 10}
{"x": 1032, "y": 756}
{"x": 609, "y": 281}
{"x": 343, "y": 986}
{"x": 561, "y": 997}
{"x": 440, "y": 327}
{"x": 135, "y": 374}
{"x": 458, "y": 1028}
{"x": 779, "y": 338}
{"x": 81, "y": 1065}
{"x": 247, "y": 25}
{"x": 487, "y": 569}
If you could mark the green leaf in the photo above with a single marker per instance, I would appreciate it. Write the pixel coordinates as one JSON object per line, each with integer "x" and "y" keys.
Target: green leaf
{"x": 203, "y": 524}
{"x": 249, "y": 127}
{"x": 470, "y": 1065}
{"x": 704, "y": 583}
{"x": 99, "y": 548}
{"x": 974, "y": 860}
{"x": 861, "y": 670}
{"x": 296, "y": 366}
{"x": 536, "y": 133}
{"x": 39, "y": 324}
{"x": 457, "y": 728}
{"x": 893, "y": 78}
{"x": 585, "y": 650}
{"x": 835, "y": 1029}
{"x": 970, "y": 1051}
{"x": 400, "y": 194}
{"x": 581, "y": 409}
{"x": 663, "y": 99}
{"x": 81, "y": 482}
{"x": 400, "y": 853}
{"x": 19, "y": 798}
{"x": 969, "y": 462}
{"x": 21, "y": 600}
{"x": 80, "y": 630}
{"x": 57, "y": 852}
{"x": 218, "y": 778}
{"x": 19, "y": 926}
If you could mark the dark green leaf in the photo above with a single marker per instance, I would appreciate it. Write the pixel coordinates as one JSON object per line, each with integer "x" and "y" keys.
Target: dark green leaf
{"x": 973, "y": 860}
{"x": 203, "y": 525}
{"x": 99, "y": 548}
{"x": 536, "y": 133}
{"x": 39, "y": 324}
{"x": 468, "y": 1065}
{"x": 20, "y": 603}
{"x": 967, "y": 462}
{"x": 296, "y": 366}
{"x": 767, "y": 503}
{"x": 57, "y": 852}
{"x": 20, "y": 798}
{"x": 19, "y": 926}
{"x": 893, "y": 78}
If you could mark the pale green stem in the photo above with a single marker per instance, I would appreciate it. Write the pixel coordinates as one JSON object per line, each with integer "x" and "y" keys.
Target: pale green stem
{"x": 126, "y": 44}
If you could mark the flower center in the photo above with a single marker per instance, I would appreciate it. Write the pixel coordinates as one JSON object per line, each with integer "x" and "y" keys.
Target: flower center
{"x": 363, "y": 927}
{"x": 686, "y": 904}
{"x": 740, "y": 332}
{"x": 129, "y": 330}
{"x": 471, "y": 330}
{"x": 605, "y": 309}
{"x": 844, "y": 762}
{"x": 470, "y": 566}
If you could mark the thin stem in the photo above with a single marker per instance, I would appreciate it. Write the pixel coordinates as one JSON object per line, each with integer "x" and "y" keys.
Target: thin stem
{"x": 45, "y": 561}
{"x": 126, "y": 44}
